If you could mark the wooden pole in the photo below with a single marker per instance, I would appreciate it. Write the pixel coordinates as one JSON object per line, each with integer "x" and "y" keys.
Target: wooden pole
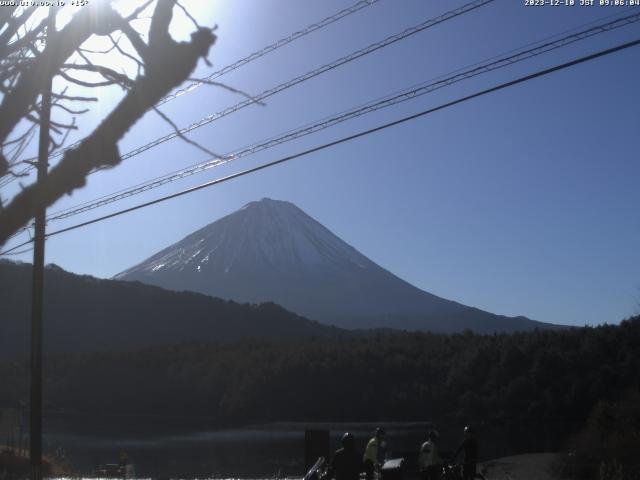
{"x": 35, "y": 439}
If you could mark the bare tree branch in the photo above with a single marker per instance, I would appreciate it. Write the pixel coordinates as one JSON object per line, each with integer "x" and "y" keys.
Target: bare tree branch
{"x": 106, "y": 72}
{"x": 4, "y": 165}
{"x": 99, "y": 149}
{"x": 82, "y": 83}
{"x": 159, "y": 29}
{"x": 63, "y": 125}
{"x": 28, "y": 39}
{"x": 24, "y": 143}
{"x": 17, "y": 175}
{"x": 18, "y": 139}
{"x": 55, "y": 145}
{"x": 138, "y": 11}
{"x": 6, "y": 13}
{"x": 136, "y": 41}
{"x": 183, "y": 137}
{"x": 229, "y": 88}
{"x": 13, "y": 25}
{"x": 116, "y": 45}
{"x": 19, "y": 101}
{"x": 75, "y": 98}
{"x": 189, "y": 16}
{"x": 69, "y": 110}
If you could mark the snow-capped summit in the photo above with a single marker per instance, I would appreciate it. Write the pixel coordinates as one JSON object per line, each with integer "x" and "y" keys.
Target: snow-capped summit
{"x": 266, "y": 235}
{"x": 270, "y": 250}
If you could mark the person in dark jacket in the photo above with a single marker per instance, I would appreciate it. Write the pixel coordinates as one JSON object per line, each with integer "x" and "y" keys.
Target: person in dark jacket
{"x": 346, "y": 463}
{"x": 470, "y": 448}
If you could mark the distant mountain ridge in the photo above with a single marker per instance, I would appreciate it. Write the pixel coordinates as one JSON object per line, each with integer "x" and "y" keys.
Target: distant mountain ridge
{"x": 270, "y": 250}
{"x": 86, "y": 314}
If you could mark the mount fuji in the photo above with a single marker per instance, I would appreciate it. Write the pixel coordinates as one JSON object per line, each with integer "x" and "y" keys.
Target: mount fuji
{"x": 271, "y": 250}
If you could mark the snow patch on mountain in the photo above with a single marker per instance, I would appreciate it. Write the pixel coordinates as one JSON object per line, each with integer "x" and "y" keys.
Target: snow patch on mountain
{"x": 273, "y": 234}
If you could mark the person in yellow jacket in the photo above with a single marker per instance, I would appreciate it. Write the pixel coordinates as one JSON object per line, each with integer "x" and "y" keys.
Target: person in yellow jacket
{"x": 374, "y": 453}
{"x": 429, "y": 460}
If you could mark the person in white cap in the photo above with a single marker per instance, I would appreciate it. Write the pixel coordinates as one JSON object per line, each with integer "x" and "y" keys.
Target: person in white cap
{"x": 429, "y": 460}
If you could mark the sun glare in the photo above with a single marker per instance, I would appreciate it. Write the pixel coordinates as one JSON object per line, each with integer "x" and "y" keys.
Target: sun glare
{"x": 108, "y": 50}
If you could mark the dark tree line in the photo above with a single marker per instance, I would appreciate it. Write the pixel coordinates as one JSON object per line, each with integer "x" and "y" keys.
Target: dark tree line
{"x": 607, "y": 447}
{"x": 540, "y": 375}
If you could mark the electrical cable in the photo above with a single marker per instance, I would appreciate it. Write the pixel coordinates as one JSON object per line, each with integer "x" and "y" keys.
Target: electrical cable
{"x": 268, "y": 49}
{"x": 402, "y": 96}
{"x": 251, "y": 57}
{"x": 297, "y": 80}
{"x": 348, "y": 138}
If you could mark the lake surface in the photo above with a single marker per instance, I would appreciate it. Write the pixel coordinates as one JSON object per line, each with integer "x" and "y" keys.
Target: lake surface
{"x": 186, "y": 448}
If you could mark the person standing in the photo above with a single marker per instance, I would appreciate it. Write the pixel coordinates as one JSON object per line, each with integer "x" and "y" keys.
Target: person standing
{"x": 470, "y": 448}
{"x": 374, "y": 453}
{"x": 126, "y": 467}
{"x": 346, "y": 463}
{"x": 429, "y": 460}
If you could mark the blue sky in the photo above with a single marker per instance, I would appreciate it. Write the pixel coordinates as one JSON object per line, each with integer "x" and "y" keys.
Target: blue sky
{"x": 523, "y": 202}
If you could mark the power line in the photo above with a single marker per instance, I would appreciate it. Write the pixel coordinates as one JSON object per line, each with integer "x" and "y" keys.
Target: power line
{"x": 313, "y": 73}
{"x": 348, "y": 138}
{"x": 302, "y": 78}
{"x": 243, "y": 61}
{"x": 268, "y": 49}
{"x": 26, "y": 250}
{"x": 10, "y": 251}
{"x": 405, "y": 95}
{"x": 282, "y": 42}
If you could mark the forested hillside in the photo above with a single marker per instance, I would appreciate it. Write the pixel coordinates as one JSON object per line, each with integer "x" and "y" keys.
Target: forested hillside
{"x": 87, "y": 314}
{"x": 540, "y": 375}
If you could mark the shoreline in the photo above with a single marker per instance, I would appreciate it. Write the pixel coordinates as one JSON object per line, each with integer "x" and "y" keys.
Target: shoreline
{"x": 527, "y": 466}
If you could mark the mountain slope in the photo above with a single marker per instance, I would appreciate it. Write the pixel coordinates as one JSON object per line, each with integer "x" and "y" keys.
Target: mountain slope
{"x": 271, "y": 250}
{"x": 84, "y": 314}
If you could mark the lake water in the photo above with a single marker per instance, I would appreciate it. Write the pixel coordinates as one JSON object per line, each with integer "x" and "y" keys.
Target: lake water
{"x": 160, "y": 448}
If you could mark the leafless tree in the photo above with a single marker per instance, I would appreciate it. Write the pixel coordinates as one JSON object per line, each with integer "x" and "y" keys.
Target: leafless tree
{"x": 26, "y": 59}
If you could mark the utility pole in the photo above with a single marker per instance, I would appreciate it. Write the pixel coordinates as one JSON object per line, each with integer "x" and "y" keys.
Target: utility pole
{"x": 35, "y": 439}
